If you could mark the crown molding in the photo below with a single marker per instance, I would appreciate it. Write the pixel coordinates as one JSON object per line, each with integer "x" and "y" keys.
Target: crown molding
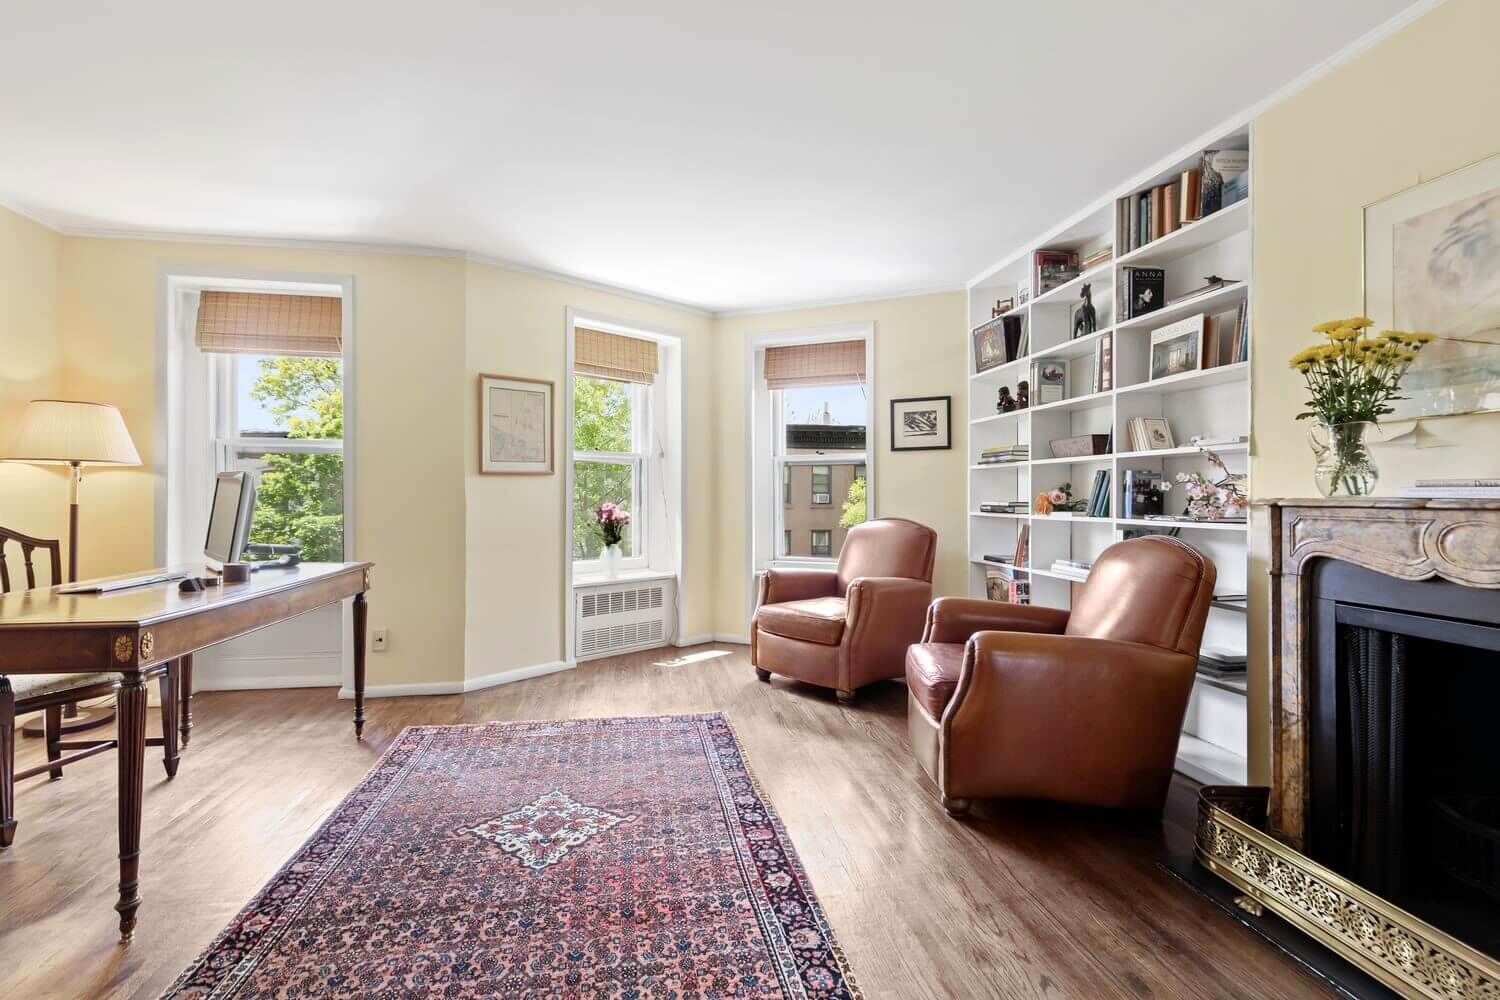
{"x": 852, "y": 300}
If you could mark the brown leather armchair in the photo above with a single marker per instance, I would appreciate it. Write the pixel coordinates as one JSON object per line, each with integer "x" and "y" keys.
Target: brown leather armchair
{"x": 844, "y": 628}
{"x": 1019, "y": 701}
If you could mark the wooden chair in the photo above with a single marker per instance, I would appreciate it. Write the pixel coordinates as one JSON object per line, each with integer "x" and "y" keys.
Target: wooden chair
{"x": 48, "y": 693}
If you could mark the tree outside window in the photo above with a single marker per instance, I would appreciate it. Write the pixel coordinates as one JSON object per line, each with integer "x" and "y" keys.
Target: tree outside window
{"x": 607, "y": 460}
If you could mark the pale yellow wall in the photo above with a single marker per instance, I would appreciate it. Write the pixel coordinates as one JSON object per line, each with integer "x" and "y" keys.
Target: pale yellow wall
{"x": 409, "y": 397}
{"x": 33, "y": 499}
{"x": 1418, "y": 105}
{"x": 916, "y": 354}
{"x": 516, "y": 594}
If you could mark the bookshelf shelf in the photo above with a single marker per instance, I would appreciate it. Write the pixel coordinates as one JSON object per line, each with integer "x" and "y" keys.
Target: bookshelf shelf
{"x": 1224, "y": 223}
{"x": 1209, "y": 302}
{"x": 1070, "y": 289}
{"x": 1213, "y": 402}
{"x": 1077, "y": 460}
{"x": 1076, "y": 402}
{"x": 1187, "y": 381}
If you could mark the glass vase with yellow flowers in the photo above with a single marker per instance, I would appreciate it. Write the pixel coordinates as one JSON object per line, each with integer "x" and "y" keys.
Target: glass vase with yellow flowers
{"x": 1353, "y": 378}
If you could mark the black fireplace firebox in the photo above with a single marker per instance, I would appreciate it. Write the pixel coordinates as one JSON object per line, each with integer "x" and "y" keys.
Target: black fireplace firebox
{"x": 1404, "y": 743}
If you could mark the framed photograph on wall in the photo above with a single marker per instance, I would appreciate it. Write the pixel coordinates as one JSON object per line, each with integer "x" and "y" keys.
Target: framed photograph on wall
{"x": 515, "y": 425}
{"x": 922, "y": 423}
{"x": 1432, "y": 264}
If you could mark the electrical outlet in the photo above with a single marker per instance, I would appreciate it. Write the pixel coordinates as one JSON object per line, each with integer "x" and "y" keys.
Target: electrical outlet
{"x": 378, "y": 638}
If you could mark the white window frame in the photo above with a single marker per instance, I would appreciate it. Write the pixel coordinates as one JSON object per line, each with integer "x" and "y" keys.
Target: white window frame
{"x": 645, "y": 466}
{"x": 764, "y": 463}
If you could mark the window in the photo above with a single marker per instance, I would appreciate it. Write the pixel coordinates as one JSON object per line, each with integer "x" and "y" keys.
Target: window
{"x": 822, "y": 484}
{"x": 815, "y": 444}
{"x": 611, "y": 421}
{"x": 282, "y": 418}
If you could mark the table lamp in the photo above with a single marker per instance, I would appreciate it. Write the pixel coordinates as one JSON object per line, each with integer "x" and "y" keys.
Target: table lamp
{"x": 72, "y": 433}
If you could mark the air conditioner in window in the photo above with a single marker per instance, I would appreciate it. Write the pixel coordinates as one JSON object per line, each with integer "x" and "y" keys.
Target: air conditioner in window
{"x": 620, "y": 617}
{"x": 822, "y": 498}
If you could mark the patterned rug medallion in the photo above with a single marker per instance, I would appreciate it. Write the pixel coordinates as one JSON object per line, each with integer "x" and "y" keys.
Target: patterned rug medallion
{"x": 626, "y": 858}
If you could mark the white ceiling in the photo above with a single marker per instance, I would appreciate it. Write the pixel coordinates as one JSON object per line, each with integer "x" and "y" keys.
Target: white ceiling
{"x": 725, "y": 155}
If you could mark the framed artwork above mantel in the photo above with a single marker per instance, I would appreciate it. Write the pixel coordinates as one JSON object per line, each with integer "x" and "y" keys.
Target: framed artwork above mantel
{"x": 1432, "y": 263}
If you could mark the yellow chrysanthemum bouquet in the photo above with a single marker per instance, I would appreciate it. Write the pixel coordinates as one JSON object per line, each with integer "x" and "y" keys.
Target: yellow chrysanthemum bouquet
{"x": 1353, "y": 378}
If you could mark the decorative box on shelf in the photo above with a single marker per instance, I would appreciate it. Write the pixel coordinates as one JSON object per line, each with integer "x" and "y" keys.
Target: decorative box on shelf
{"x": 1080, "y": 446}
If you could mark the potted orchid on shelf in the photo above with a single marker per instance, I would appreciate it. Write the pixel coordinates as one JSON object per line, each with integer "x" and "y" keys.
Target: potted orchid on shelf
{"x": 611, "y": 519}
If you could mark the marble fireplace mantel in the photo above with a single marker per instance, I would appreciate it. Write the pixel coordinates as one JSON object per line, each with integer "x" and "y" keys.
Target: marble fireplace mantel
{"x": 1456, "y": 540}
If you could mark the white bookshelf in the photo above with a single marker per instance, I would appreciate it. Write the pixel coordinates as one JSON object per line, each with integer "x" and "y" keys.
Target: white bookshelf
{"x": 1214, "y": 401}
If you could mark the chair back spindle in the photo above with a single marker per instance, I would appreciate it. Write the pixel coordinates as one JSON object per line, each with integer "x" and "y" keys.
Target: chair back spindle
{"x": 29, "y": 545}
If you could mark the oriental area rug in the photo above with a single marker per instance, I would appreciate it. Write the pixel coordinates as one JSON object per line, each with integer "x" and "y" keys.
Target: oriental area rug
{"x": 598, "y": 858}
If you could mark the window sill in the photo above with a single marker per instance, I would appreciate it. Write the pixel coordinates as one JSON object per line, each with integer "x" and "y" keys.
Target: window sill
{"x": 624, "y": 576}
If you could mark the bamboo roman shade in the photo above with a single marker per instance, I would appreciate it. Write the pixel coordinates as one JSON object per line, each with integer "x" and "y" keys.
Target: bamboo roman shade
{"x": 614, "y": 356}
{"x": 309, "y": 326}
{"x": 840, "y": 362}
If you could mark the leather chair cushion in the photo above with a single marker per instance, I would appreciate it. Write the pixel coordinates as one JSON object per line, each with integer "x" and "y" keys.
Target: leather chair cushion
{"x": 932, "y": 670}
{"x": 887, "y": 546}
{"x": 820, "y": 620}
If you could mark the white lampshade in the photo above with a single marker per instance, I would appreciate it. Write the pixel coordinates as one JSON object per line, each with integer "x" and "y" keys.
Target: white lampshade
{"x": 64, "y": 431}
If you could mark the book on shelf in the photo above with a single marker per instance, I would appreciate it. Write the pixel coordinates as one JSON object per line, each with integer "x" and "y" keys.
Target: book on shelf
{"x": 1049, "y": 380}
{"x": 1212, "y": 671}
{"x": 1013, "y": 336}
{"x": 1023, "y": 545}
{"x": 1224, "y": 341}
{"x": 1051, "y": 268}
{"x": 1142, "y": 291}
{"x": 1070, "y": 570}
{"x": 1456, "y": 483}
{"x": 1150, "y": 434}
{"x": 1096, "y": 259}
{"x": 1189, "y": 189}
{"x": 1190, "y": 519}
{"x": 1007, "y": 589}
{"x": 1005, "y": 507}
{"x": 1104, "y": 363}
{"x": 1225, "y": 179}
{"x": 1098, "y": 505}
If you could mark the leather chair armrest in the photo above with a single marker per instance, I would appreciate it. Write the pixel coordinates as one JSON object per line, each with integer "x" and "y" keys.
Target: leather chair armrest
{"x": 1066, "y": 717}
{"x": 884, "y": 617}
{"x": 777, "y": 586}
{"x": 957, "y": 619}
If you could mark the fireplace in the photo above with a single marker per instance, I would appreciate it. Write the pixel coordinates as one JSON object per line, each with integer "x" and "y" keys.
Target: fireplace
{"x": 1403, "y": 758}
{"x": 1379, "y": 836}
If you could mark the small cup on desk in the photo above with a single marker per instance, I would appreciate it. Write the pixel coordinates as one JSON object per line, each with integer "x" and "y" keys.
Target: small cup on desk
{"x": 236, "y": 573}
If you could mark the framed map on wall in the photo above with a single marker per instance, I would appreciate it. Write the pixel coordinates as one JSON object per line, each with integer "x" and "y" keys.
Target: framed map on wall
{"x": 515, "y": 425}
{"x": 1432, "y": 263}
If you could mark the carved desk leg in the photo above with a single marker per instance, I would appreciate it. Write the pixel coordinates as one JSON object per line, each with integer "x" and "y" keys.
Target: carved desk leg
{"x": 185, "y": 686}
{"x": 169, "y": 701}
{"x": 361, "y": 614}
{"x": 130, "y": 717}
{"x": 7, "y": 763}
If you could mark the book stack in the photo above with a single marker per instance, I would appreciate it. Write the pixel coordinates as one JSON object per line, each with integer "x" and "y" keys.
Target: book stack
{"x": 1007, "y": 586}
{"x": 1142, "y": 495}
{"x": 1099, "y": 495}
{"x": 1226, "y": 337}
{"x": 1142, "y": 290}
{"x": 1149, "y": 434}
{"x": 1005, "y": 454}
{"x": 1099, "y": 257}
{"x": 1072, "y": 569}
{"x": 1221, "y": 661}
{"x": 1453, "y": 489}
{"x": 1221, "y": 178}
{"x": 1104, "y": 363}
{"x": 1050, "y": 268}
{"x": 1005, "y": 507}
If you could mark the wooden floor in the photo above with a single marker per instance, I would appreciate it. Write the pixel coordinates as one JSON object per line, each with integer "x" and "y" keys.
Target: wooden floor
{"x": 1030, "y": 901}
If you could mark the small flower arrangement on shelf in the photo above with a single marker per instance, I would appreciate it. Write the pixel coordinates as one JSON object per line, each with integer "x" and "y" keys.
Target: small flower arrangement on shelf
{"x": 1353, "y": 379}
{"x": 611, "y": 519}
{"x": 1219, "y": 498}
{"x": 1057, "y": 501}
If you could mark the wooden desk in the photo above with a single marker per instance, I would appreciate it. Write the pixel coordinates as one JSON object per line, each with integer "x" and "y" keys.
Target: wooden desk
{"x": 135, "y": 631}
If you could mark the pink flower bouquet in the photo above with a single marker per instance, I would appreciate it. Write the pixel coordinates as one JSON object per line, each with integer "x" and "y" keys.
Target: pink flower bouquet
{"x": 611, "y": 519}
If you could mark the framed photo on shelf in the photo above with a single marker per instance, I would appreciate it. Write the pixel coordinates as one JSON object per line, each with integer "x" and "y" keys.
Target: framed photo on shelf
{"x": 922, "y": 423}
{"x": 1432, "y": 263}
{"x": 515, "y": 425}
{"x": 989, "y": 345}
{"x": 1177, "y": 347}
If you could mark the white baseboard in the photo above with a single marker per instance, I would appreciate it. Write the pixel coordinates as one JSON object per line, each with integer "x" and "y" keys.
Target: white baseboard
{"x": 699, "y": 640}
{"x": 743, "y": 639}
{"x": 258, "y": 673}
{"x": 463, "y": 686}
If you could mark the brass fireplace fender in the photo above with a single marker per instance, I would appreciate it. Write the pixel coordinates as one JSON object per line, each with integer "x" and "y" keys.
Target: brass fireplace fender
{"x": 1402, "y": 951}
